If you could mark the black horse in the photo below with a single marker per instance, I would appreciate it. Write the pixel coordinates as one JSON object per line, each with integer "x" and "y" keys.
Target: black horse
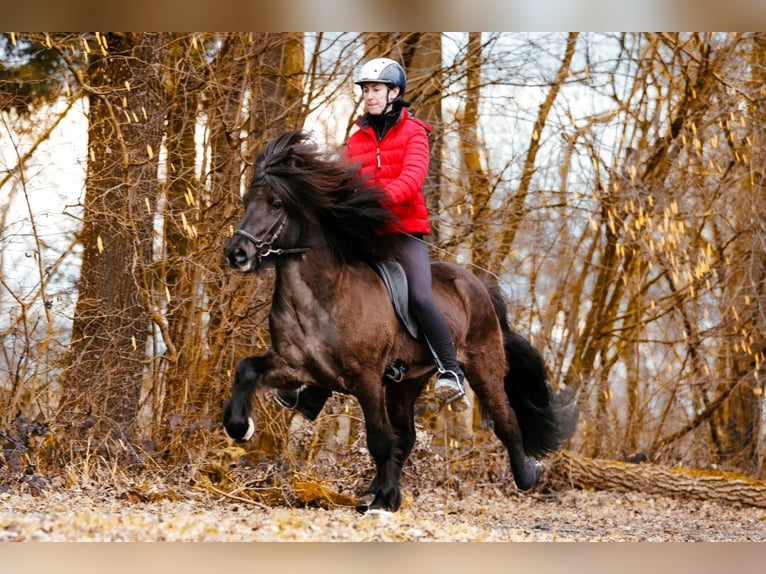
{"x": 332, "y": 322}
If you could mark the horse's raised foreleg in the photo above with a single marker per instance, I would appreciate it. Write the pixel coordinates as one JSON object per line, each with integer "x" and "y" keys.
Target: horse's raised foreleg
{"x": 269, "y": 370}
{"x": 384, "y": 492}
{"x": 236, "y": 414}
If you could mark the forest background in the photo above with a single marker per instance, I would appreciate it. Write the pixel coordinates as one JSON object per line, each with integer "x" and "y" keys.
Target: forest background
{"x": 612, "y": 182}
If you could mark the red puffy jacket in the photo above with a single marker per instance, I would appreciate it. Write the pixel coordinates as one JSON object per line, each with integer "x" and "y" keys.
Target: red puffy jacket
{"x": 399, "y": 164}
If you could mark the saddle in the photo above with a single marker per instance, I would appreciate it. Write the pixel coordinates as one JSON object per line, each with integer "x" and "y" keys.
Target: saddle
{"x": 396, "y": 283}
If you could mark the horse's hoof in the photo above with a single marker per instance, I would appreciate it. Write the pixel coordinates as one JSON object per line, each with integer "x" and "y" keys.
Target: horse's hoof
{"x": 238, "y": 431}
{"x": 532, "y": 475}
{"x": 250, "y": 429}
{"x": 364, "y": 504}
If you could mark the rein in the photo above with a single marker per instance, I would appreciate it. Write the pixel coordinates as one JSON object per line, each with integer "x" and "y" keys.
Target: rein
{"x": 263, "y": 247}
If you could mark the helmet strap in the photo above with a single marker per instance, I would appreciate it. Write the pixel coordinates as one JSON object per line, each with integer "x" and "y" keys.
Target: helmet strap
{"x": 390, "y": 102}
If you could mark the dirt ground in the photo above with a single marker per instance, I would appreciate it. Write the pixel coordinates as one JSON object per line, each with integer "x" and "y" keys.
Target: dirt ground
{"x": 471, "y": 497}
{"x": 485, "y": 514}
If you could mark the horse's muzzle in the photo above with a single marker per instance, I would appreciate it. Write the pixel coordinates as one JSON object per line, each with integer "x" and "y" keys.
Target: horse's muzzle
{"x": 238, "y": 253}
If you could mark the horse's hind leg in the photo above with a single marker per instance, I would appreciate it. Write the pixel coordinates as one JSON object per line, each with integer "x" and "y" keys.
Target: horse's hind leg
{"x": 526, "y": 470}
{"x": 489, "y": 388}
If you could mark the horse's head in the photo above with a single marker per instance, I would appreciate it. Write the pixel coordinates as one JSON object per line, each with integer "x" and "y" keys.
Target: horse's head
{"x": 260, "y": 235}
{"x": 301, "y": 197}
{"x": 271, "y": 225}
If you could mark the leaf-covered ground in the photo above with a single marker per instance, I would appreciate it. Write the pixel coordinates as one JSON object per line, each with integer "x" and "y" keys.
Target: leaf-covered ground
{"x": 465, "y": 495}
{"x": 485, "y": 514}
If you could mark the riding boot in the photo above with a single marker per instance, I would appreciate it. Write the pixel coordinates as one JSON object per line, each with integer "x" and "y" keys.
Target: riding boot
{"x": 308, "y": 400}
{"x": 449, "y": 388}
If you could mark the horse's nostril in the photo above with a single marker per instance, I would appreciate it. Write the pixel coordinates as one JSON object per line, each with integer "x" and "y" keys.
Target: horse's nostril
{"x": 237, "y": 257}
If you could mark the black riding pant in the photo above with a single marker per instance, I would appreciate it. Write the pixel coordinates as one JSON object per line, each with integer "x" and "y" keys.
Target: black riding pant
{"x": 415, "y": 260}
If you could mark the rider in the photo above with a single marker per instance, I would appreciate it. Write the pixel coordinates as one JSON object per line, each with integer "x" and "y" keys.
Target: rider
{"x": 391, "y": 148}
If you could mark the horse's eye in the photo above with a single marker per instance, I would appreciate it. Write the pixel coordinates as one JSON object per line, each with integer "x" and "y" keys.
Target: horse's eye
{"x": 277, "y": 205}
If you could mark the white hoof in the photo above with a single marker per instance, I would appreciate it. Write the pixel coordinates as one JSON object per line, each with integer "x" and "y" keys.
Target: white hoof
{"x": 250, "y": 429}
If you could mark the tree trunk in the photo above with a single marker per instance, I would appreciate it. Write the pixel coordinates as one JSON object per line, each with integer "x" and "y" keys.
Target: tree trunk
{"x": 225, "y": 101}
{"x": 424, "y": 91}
{"x": 181, "y": 277}
{"x": 277, "y": 86}
{"x": 112, "y": 316}
{"x": 474, "y": 175}
{"x": 740, "y": 423}
{"x": 268, "y": 68}
{"x": 566, "y": 469}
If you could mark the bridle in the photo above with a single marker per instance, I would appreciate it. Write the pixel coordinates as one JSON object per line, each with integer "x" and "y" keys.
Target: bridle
{"x": 263, "y": 247}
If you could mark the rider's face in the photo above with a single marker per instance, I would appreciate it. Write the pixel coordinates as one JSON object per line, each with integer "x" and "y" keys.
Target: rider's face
{"x": 377, "y": 96}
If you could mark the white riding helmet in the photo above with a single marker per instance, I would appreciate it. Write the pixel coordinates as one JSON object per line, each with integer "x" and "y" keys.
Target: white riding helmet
{"x": 383, "y": 71}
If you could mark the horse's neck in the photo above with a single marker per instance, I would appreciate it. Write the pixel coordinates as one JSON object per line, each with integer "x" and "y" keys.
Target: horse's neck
{"x": 307, "y": 293}
{"x": 317, "y": 272}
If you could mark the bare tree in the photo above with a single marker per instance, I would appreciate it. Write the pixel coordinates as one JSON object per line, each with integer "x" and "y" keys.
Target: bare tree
{"x": 250, "y": 92}
{"x": 112, "y": 318}
{"x": 611, "y": 182}
{"x": 476, "y": 180}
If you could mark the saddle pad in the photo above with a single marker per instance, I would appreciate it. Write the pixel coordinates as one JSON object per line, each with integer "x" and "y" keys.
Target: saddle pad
{"x": 396, "y": 282}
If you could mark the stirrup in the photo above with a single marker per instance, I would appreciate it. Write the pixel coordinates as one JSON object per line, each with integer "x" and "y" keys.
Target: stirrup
{"x": 449, "y": 391}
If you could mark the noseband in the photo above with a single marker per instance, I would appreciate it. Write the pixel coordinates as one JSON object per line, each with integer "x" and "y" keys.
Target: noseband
{"x": 263, "y": 246}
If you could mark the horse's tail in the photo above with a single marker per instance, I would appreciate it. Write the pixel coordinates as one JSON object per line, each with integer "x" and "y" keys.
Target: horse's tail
{"x": 546, "y": 419}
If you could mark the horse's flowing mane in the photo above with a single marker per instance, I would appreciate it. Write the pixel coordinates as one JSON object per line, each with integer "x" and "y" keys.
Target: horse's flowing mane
{"x": 329, "y": 191}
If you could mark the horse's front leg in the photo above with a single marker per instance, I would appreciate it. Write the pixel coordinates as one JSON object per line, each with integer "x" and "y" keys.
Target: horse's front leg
{"x": 384, "y": 491}
{"x": 390, "y": 456}
{"x": 237, "y": 421}
{"x": 269, "y": 370}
